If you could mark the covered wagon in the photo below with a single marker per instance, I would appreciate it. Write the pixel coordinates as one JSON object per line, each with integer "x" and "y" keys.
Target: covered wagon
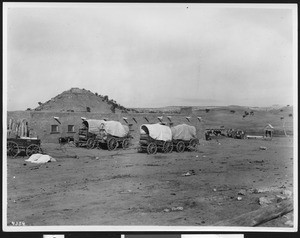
{"x": 87, "y": 133}
{"x": 155, "y": 137}
{"x": 109, "y": 133}
{"x": 113, "y": 134}
{"x": 184, "y": 137}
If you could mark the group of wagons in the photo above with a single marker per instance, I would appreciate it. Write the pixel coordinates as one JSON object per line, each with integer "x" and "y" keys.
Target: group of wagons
{"x": 159, "y": 137}
{"x": 101, "y": 134}
{"x": 113, "y": 134}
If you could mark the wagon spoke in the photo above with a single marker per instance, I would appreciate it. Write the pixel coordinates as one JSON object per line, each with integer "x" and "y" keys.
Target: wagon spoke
{"x": 180, "y": 147}
{"x": 12, "y": 149}
{"x": 151, "y": 148}
{"x": 32, "y": 149}
{"x": 112, "y": 144}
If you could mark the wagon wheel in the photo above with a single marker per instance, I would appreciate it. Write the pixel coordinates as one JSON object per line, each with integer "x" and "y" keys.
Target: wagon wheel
{"x": 12, "y": 148}
{"x": 33, "y": 149}
{"x": 170, "y": 148}
{"x": 90, "y": 144}
{"x": 152, "y": 148}
{"x": 193, "y": 143}
{"x": 167, "y": 147}
{"x": 112, "y": 144}
{"x": 125, "y": 144}
{"x": 180, "y": 147}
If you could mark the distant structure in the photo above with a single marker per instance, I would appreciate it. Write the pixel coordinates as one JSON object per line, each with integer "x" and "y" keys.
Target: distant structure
{"x": 186, "y": 110}
{"x": 268, "y": 131}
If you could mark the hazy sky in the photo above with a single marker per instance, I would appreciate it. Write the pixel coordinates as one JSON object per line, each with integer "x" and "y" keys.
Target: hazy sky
{"x": 151, "y": 55}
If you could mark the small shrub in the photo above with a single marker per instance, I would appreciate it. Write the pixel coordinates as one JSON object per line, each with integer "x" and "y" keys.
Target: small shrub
{"x": 207, "y": 110}
{"x": 290, "y": 115}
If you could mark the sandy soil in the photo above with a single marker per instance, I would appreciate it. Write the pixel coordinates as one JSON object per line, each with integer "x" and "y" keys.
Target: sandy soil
{"x": 123, "y": 187}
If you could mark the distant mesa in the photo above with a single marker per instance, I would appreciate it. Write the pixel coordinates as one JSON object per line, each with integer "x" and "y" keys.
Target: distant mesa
{"x": 80, "y": 100}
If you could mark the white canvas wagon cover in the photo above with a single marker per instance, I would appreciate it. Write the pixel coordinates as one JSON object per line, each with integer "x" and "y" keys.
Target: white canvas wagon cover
{"x": 157, "y": 131}
{"x": 183, "y": 132}
{"x": 94, "y": 125}
{"x": 113, "y": 128}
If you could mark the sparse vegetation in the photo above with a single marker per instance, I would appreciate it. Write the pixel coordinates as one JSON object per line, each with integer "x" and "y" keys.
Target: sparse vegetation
{"x": 232, "y": 111}
{"x": 290, "y": 115}
{"x": 28, "y": 109}
{"x": 207, "y": 110}
{"x": 40, "y": 103}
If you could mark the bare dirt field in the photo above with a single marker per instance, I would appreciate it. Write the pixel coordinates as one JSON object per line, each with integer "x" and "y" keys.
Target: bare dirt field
{"x": 227, "y": 177}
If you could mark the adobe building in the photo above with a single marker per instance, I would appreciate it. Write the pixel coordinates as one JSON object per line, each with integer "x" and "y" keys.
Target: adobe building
{"x": 49, "y": 126}
{"x": 62, "y": 116}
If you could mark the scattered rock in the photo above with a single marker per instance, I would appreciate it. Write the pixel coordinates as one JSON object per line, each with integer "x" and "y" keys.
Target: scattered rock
{"x": 239, "y": 198}
{"x": 289, "y": 223}
{"x": 189, "y": 173}
{"x": 167, "y": 210}
{"x": 177, "y": 208}
{"x": 265, "y": 201}
{"x": 125, "y": 192}
{"x": 215, "y": 189}
{"x": 242, "y": 192}
{"x": 288, "y": 193}
{"x": 263, "y": 148}
{"x": 258, "y": 161}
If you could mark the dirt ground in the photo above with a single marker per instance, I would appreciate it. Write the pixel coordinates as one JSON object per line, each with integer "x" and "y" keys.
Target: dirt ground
{"x": 123, "y": 187}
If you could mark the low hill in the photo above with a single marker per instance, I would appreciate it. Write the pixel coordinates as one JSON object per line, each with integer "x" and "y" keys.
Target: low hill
{"x": 80, "y": 100}
{"x": 236, "y": 117}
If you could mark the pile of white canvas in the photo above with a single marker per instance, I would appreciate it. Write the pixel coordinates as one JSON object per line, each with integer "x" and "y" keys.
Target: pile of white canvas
{"x": 40, "y": 159}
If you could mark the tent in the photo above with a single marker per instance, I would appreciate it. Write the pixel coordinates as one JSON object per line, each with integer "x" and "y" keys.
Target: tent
{"x": 157, "y": 131}
{"x": 183, "y": 132}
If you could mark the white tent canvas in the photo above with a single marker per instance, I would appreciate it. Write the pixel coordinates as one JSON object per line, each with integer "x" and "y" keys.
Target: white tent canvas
{"x": 40, "y": 159}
